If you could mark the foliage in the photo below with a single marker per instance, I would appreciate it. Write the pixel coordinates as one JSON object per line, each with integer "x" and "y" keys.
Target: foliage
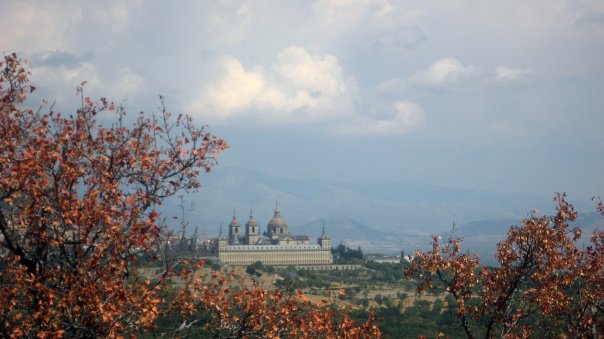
{"x": 77, "y": 203}
{"x": 417, "y": 320}
{"x": 255, "y": 268}
{"x": 345, "y": 255}
{"x": 386, "y": 272}
{"x": 544, "y": 283}
{"x": 257, "y": 312}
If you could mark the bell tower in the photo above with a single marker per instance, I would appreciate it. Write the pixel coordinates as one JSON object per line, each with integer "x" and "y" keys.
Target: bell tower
{"x": 324, "y": 240}
{"x": 234, "y": 228}
{"x": 222, "y": 242}
{"x": 251, "y": 229}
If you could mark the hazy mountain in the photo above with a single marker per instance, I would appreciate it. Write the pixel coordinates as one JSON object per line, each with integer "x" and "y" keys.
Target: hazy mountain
{"x": 354, "y": 234}
{"x": 339, "y": 229}
{"x": 387, "y": 214}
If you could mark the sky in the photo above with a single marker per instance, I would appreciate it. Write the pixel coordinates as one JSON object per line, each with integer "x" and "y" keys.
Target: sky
{"x": 504, "y": 96}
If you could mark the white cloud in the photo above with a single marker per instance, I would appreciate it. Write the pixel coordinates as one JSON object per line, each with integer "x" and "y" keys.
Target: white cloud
{"x": 302, "y": 70}
{"x": 236, "y": 90}
{"x": 127, "y": 81}
{"x": 404, "y": 117}
{"x": 28, "y": 27}
{"x": 64, "y": 77}
{"x": 402, "y": 38}
{"x": 58, "y": 83}
{"x": 342, "y": 14}
{"x": 63, "y": 72}
{"x": 33, "y": 26}
{"x": 506, "y": 74}
{"x": 445, "y": 71}
{"x": 299, "y": 87}
{"x": 394, "y": 85}
{"x": 451, "y": 73}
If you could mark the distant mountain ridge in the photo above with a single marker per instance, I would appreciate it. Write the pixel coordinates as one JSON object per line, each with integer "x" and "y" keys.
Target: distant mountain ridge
{"x": 376, "y": 215}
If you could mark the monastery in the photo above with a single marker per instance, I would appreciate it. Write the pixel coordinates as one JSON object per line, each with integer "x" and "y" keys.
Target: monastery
{"x": 276, "y": 246}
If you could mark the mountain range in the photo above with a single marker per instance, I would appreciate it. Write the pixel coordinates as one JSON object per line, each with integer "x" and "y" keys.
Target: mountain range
{"x": 381, "y": 216}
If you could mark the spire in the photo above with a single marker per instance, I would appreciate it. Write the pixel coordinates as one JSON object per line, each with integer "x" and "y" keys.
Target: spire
{"x": 251, "y": 213}
{"x": 220, "y": 234}
{"x": 277, "y": 211}
{"x": 324, "y": 235}
{"x": 195, "y": 235}
{"x": 234, "y": 222}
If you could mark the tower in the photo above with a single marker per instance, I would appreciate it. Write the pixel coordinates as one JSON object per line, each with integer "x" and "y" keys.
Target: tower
{"x": 222, "y": 242}
{"x": 251, "y": 229}
{"x": 324, "y": 240}
{"x": 234, "y": 228}
{"x": 193, "y": 240}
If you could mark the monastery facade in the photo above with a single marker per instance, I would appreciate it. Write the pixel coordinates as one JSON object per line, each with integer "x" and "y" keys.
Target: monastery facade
{"x": 276, "y": 246}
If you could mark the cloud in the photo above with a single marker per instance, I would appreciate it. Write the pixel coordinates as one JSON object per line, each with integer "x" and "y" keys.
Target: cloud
{"x": 403, "y": 117}
{"x": 394, "y": 86}
{"x": 58, "y": 83}
{"x": 63, "y": 72}
{"x": 299, "y": 87}
{"x": 402, "y": 38}
{"x": 341, "y": 15}
{"x": 236, "y": 90}
{"x": 450, "y": 73}
{"x": 58, "y": 58}
{"x": 31, "y": 26}
{"x": 63, "y": 76}
{"x": 445, "y": 71}
{"x": 128, "y": 82}
{"x": 506, "y": 74}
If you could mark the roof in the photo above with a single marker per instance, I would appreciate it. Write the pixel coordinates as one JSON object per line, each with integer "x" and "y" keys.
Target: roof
{"x": 300, "y": 237}
{"x": 234, "y": 222}
{"x": 277, "y": 220}
{"x": 251, "y": 221}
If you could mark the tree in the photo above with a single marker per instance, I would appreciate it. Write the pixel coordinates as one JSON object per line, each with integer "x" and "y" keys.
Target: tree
{"x": 258, "y": 313}
{"x": 77, "y": 208}
{"x": 255, "y": 269}
{"x": 78, "y": 205}
{"x": 345, "y": 255}
{"x": 544, "y": 283}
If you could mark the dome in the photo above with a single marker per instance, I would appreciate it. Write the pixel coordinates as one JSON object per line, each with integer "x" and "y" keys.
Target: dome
{"x": 251, "y": 222}
{"x": 234, "y": 222}
{"x": 277, "y": 220}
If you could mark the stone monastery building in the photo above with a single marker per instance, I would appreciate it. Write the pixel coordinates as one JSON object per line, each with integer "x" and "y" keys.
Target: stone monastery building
{"x": 274, "y": 247}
